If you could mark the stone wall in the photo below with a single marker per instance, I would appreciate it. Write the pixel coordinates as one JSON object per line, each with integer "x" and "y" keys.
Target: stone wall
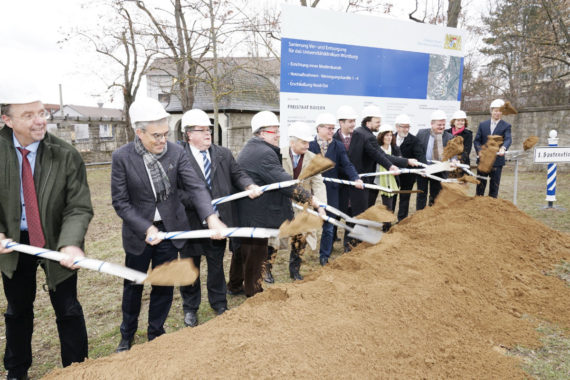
{"x": 537, "y": 121}
{"x": 239, "y": 131}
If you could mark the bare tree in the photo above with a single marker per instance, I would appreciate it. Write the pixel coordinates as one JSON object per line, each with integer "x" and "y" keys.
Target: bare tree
{"x": 126, "y": 48}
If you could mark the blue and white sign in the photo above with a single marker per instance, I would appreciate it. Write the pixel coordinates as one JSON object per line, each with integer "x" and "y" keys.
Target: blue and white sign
{"x": 329, "y": 59}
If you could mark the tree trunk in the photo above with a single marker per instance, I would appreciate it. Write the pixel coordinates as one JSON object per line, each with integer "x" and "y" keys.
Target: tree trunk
{"x": 453, "y": 10}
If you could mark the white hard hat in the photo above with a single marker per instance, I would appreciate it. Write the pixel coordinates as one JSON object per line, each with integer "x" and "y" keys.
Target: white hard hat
{"x": 386, "y": 128}
{"x": 146, "y": 109}
{"x": 18, "y": 91}
{"x": 403, "y": 119}
{"x": 325, "y": 119}
{"x": 371, "y": 111}
{"x": 497, "y": 103}
{"x": 346, "y": 113}
{"x": 438, "y": 115}
{"x": 263, "y": 119}
{"x": 195, "y": 118}
{"x": 301, "y": 131}
{"x": 459, "y": 115}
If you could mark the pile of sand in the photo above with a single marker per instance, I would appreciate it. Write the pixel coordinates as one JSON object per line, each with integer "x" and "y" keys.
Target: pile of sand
{"x": 438, "y": 297}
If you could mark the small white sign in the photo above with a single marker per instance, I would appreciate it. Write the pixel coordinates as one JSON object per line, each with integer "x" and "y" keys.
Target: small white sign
{"x": 548, "y": 154}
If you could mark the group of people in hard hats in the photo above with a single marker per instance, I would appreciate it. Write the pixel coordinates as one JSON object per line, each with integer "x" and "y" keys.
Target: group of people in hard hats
{"x": 158, "y": 185}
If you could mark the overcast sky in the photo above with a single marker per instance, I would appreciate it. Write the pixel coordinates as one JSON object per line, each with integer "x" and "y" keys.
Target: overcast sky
{"x": 30, "y": 31}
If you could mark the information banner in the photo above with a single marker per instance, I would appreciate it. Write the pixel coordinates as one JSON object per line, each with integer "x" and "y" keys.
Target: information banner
{"x": 329, "y": 59}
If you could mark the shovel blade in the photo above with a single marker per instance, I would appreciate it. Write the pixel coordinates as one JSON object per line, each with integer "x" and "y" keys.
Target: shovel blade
{"x": 439, "y": 167}
{"x": 369, "y": 235}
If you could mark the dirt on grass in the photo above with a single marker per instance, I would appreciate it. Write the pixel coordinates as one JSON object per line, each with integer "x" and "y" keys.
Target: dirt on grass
{"x": 446, "y": 294}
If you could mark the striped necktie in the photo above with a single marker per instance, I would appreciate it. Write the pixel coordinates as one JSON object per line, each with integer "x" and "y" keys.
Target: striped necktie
{"x": 207, "y": 171}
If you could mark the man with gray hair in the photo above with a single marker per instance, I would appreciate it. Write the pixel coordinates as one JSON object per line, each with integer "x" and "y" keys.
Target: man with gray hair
{"x": 149, "y": 179}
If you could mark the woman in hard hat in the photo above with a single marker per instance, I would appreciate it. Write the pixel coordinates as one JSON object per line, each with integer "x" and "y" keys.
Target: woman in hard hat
{"x": 459, "y": 126}
{"x": 387, "y": 143}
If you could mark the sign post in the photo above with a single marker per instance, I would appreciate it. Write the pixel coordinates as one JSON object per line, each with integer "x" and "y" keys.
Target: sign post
{"x": 550, "y": 155}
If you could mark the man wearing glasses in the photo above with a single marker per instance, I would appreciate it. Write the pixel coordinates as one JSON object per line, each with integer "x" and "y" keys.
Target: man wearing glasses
{"x": 219, "y": 171}
{"x": 44, "y": 202}
{"x": 334, "y": 150}
{"x": 149, "y": 179}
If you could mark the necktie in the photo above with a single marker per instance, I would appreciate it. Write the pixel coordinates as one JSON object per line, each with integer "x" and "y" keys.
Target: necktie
{"x": 31, "y": 202}
{"x": 207, "y": 171}
{"x": 437, "y": 147}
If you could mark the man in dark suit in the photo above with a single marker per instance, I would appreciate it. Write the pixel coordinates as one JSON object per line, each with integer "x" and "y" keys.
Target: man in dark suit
{"x": 432, "y": 140}
{"x": 261, "y": 159}
{"x": 410, "y": 148}
{"x": 494, "y": 126}
{"x": 219, "y": 171}
{"x": 334, "y": 150}
{"x": 149, "y": 177}
{"x": 364, "y": 153}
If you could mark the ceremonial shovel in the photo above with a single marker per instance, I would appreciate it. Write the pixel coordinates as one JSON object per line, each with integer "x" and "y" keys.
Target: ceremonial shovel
{"x": 369, "y": 235}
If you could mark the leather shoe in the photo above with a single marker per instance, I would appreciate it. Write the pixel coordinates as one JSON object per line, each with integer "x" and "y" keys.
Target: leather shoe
{"x": 190, "y": 319}
{"x": 221, "y": 310}
{"x": 235, "y": 292}
{"x": 324, "y": 261}
{"x": 296, "y": 276}
{"x": 124, "y": 345}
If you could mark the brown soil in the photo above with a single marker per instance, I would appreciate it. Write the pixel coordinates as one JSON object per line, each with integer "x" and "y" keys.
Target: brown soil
{"x": 441, "y": 296}
{"x": 530, "y": 142}
{"x": 302, "y": 222}
{"x": 469, "y": 179}
{"x": 377, "y": 213}
{"x": 454, "y": 147}
{"x": 173, "y": 273}
{"x": 488, "y": 153}
{"x": 317, "y": 165}
{"x": 508, "y": 109}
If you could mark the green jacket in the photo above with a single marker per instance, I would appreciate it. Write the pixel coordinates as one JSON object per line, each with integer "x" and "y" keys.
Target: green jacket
{"x": 63, "y": 199}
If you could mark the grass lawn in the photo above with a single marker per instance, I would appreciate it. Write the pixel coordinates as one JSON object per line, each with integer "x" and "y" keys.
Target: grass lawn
{"x": 101, "y": 294}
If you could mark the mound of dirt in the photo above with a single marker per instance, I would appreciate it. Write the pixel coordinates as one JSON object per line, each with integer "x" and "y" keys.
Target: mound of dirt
{"x": 438, "y": 297}
{"x": 377, "y": 213}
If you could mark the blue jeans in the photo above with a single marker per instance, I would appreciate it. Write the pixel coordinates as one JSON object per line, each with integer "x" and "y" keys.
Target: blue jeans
{"x": 326, "y": 240}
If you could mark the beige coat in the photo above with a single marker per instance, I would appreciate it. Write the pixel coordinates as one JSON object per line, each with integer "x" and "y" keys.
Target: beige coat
{"x": 314, "y": 185}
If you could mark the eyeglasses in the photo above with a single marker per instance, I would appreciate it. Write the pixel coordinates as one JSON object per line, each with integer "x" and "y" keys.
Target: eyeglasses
{"x": 30, "y": 116}
{"x": 272, "y": 132}
{"x": 159, "y": 136}
{"x": 201, "y": 131}
{"x": 328, "y": 128}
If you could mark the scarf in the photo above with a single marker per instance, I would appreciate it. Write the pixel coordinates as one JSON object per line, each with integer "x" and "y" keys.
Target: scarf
{"x": 324, "y": 145}
{"x": 457, "y": 131}
{"x": 388, "y": 180}
{"x": 158, "y": 175}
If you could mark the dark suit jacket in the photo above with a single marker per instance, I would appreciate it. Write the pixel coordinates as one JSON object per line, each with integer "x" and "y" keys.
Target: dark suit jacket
{"x": 410, "y": 147}
{"x": 337, "y": 154}
{"x": 364, "y": 152}
{"x": 262, "y": 162}
{"x": 423, "y": 140}
{"x": 135, "y": 202}
{"x": 502, "y": 129}
{"x": 225, "y": 175}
